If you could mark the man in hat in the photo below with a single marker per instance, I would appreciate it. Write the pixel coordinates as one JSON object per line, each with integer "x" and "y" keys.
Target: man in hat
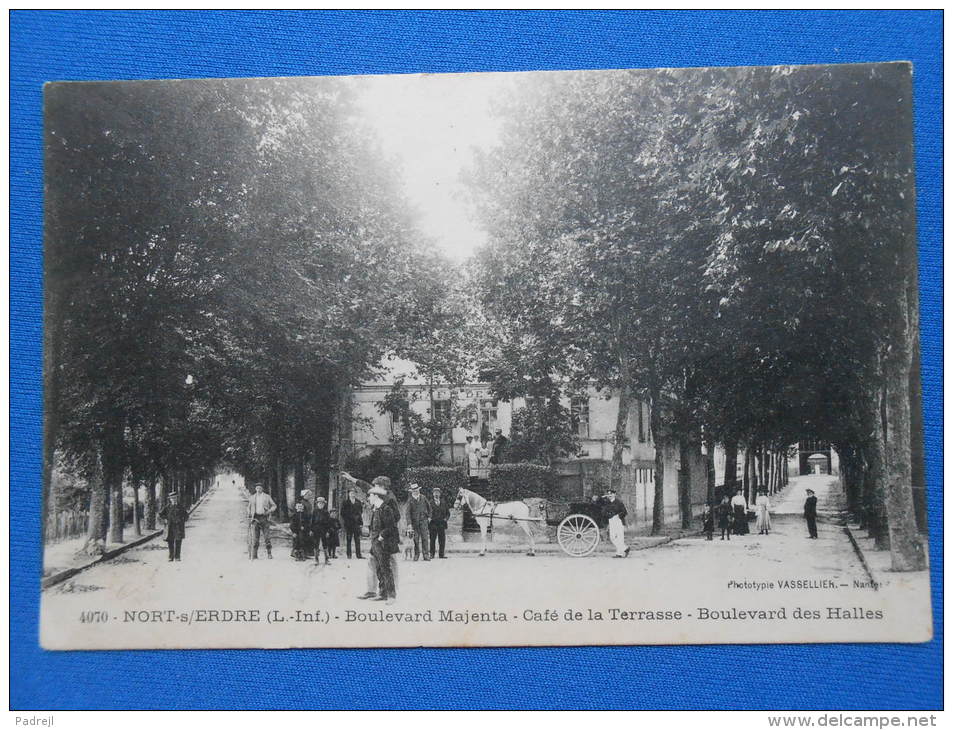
{"x": 383, "y": 483}
{"x": 498, "y": 447}
{"x": 616, "y": 513}
{"x": 439, "y": 516}
{"x": 418, "y": 514}
{"x": 174, "y": 515}
{"x": 810, "y": 514}
{"x": 384, "y": 544}
{"x": 260, "y": 508}
{"x": 352, "y": 517}
{"x": 320, "y": 529}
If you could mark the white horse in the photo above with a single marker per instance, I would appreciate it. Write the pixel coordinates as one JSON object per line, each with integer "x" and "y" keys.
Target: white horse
{"x": 485, "y": 512}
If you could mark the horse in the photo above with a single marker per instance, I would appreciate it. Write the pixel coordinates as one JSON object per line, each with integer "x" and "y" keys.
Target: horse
{"x": 485, "y": 512}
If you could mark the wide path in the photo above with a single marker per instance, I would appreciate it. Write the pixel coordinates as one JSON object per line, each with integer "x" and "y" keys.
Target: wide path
{"x": 151, "y": 603}
{"x": 791, "y": 500}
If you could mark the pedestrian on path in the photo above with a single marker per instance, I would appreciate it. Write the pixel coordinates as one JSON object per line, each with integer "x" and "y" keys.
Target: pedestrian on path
{"x": 724, "y": 517}
{"x": 439, "y": 517}
{"x": 334, "y": 534}
{"x": 763, "y": 510}
{"x": 300, "y": 528}
{"x": 390, "y": 499}
{"x": 321, "y": 530}
{"x": 616, "y": 513}
{"x": 739, "y": 507}
{"x": 810, "y": 514}
{"x": 383, "y": 484}
{"x": 174, "y": 515}
{"x": 708, "y": 522}
{"x": 352, "y": 517}
{"x": 260, "y": 508}
{"x": 384, "y": 543}
{"x": 418, "y": 515}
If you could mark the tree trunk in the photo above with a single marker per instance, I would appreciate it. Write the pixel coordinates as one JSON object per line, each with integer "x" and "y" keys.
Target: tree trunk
{"x": 282, "y": 501}
{"x": 906, "y": 548}
{"x": 875, "y": 516}
{"x": 150, "y": 506}
{"x": 731, "y": 465}
{"x": 299, "y": 476}
{"x": 323, "y": 453}
{"x": 849, "y": 476}
{"x": 746, "y": 478}
{"x": 112, "y": 476}
{"x": 136, "y": 525}
{"x": 621, "y": 429}
{"x": 52, "y": 338}
{"x": 710, "y": 471}
{"x": 658, "y": 440}
{"x": 685, "y": 480}
{"x": 95, "y": 531}
{"x": 918, "y": 475}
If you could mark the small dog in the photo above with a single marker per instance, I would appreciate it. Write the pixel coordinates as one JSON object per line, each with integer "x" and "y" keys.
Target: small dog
{"x": 409, "y": 547}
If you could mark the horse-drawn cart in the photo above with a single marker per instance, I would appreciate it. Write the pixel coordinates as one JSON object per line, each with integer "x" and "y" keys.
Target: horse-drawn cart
{"x": 578, "y": 526}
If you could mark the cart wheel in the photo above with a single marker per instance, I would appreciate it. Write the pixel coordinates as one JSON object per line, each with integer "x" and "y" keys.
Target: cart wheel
{"x": 578, "y": 535}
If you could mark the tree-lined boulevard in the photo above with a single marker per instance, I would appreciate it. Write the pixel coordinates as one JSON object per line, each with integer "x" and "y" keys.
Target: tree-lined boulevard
{"x": 227, "y": 260}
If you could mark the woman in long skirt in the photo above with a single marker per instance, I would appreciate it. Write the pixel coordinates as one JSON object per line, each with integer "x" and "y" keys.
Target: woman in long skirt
{"x": 739, "y": 506}
{"x": 762, "y": 508}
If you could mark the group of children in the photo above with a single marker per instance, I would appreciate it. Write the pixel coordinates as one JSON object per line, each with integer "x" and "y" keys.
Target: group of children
{"x": 315, "y": 530}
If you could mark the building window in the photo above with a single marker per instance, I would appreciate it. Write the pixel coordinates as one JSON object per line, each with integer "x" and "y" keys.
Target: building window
{"x": 488, "y": 414}
{"x": 395, "y": 422}
{"x": 641, "y": 423}
{"x": 441, "y": 410}
{"x": 579, "y": 408}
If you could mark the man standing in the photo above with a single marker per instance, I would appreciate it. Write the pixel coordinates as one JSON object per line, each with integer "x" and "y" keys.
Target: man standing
{"x": 810, "y": 514}
{"x": 418, "y": 514}
{"x": 352, "y": 516}
{"x": 499, "y": 446}
{"x": 384, "y": 543}
{"x": 439, "y": 516}
{"x": 320, "y": 527}
{"x": 174, "y": 515}
{"x": 616, "y": 513}
{"x": 260, "y": 508}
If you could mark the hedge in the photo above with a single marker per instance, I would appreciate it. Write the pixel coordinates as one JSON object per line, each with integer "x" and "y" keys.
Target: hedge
{"x": 510, "y": 482}
{"x": 448, "y": 478}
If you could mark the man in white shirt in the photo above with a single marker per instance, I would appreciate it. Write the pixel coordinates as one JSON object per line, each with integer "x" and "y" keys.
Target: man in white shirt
{"x": 260, "y": 508}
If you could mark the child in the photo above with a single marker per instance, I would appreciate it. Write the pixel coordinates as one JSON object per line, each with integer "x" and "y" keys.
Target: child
{"x": 333, "y": 536}
{"x": 724, "y": 517}
{"x": 299, "y": 532}
{"x": 708, "y": 522}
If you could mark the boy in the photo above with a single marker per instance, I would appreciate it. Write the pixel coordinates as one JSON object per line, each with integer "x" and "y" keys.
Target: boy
{"x": 299, "y": 531}
{"x": 333, "y": 535}
{"x": 708, "y": 523}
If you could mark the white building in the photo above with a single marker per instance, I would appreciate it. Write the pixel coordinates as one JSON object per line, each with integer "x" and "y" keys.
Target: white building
{"x": 596, "y": 420}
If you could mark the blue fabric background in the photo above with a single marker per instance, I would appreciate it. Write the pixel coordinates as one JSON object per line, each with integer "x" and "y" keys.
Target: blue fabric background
{"x": 63, "y": 45}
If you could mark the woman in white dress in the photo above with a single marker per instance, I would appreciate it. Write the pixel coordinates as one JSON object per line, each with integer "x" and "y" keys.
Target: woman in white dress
{"x": 473, "y": 455}
{"x": 763, "y": 510}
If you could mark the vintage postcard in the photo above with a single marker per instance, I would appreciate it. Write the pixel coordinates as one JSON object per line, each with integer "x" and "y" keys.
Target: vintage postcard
{"x": 515, "y": 359}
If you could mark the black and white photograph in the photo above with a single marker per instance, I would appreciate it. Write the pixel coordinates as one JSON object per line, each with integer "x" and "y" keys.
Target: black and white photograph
{"x": 547, "y": 358}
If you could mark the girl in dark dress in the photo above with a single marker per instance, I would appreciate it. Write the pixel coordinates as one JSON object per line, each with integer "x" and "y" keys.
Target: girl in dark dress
{"x": 724, "y": 517}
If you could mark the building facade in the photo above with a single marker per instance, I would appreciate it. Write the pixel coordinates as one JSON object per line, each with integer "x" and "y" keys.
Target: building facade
{"x": 595, "y": 416}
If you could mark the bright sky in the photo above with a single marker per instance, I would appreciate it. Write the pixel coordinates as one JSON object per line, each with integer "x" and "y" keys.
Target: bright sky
{"x": 431, "y": 123}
